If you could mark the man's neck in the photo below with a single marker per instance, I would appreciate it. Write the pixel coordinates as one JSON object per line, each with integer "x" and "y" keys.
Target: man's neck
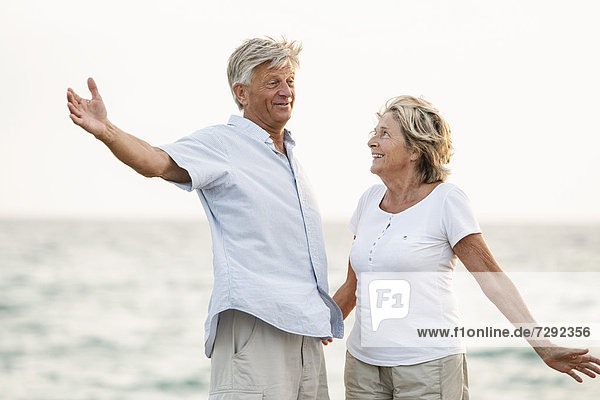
{"x": 276, "y": 133}
{"x": 278, "y": 141}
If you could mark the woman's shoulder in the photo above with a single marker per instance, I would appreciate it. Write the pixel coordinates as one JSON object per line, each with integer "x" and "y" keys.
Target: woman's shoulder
{"x": 444, "y": 193}
{"x": 452, "y": 196}
{"x": 368, "y": 200}
{"x": 446, "y": 188}
{"x": 374, "y": 191}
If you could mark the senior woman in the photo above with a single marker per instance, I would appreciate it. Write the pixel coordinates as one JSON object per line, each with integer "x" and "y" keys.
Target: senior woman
{"x": 416, "y": 222}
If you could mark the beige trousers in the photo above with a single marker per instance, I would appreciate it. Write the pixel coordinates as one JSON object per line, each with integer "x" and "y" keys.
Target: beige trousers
{"x": 253, "y": 360}
{"x": 441, "y": 379}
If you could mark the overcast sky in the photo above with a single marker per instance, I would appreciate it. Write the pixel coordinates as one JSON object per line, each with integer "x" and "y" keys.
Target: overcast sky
{"x": 517, "y": 80}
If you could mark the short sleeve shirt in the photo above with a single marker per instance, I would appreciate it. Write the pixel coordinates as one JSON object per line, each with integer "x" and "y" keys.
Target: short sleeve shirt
{"x": 268, "y": 249}
{"x": 418, "y": 239}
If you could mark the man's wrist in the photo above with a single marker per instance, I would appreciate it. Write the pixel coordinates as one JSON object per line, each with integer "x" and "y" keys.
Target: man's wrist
{"x": 108, "y": 134}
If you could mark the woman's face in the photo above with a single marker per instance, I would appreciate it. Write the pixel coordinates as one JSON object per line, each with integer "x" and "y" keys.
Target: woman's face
{"x": 388, "y": 148}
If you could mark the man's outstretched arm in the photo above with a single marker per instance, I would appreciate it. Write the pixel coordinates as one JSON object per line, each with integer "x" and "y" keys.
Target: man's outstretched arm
{"x": 142, "y": 157}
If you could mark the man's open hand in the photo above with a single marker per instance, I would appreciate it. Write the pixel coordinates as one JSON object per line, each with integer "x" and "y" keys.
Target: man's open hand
{"x": 88, "y": 114}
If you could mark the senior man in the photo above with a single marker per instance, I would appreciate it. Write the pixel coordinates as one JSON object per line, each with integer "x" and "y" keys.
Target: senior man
{"x": 270, "y": 306}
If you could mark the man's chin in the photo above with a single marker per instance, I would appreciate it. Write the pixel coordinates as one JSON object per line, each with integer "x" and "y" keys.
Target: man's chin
{"x": 283, "y": 117}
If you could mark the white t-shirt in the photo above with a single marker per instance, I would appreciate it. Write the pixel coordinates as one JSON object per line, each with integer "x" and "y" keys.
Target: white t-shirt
{"x": 417, "y": 240}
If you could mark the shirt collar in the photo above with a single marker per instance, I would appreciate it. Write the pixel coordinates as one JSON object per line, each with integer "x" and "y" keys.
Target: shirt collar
{"x": 251, "y": 129}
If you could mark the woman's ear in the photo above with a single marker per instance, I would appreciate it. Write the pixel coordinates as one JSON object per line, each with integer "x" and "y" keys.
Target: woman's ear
{"x": 241, "y": 93}
{"x": 414, "y": 155}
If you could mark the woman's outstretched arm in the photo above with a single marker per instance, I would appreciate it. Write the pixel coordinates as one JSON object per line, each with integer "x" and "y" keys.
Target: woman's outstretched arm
{"x": 498, "y": 287}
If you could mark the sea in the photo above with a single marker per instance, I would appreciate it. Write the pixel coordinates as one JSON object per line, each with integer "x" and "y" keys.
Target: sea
{"x": 115, "y": 309}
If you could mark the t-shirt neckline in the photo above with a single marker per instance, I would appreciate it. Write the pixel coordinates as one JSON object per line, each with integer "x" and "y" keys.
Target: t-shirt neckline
{"x": 409, "y": 208}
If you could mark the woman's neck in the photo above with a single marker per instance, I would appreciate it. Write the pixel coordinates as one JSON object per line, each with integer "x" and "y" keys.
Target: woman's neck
{"x": 404, "y": 193}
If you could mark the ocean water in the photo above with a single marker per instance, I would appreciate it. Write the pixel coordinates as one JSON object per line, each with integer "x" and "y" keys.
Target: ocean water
{"x": 115, "y": 309}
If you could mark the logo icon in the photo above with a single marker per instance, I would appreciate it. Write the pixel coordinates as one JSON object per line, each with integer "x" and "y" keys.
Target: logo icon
{"x": 389, "y": 299}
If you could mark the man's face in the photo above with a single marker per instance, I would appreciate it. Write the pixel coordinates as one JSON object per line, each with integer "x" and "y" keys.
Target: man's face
{"x": 269, "y": 99}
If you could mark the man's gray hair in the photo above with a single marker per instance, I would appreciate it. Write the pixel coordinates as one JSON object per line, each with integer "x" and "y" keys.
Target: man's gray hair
{"x": 254, "y": 52}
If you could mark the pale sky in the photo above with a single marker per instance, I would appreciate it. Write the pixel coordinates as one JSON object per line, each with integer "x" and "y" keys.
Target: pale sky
{"x": 517, "y": 80}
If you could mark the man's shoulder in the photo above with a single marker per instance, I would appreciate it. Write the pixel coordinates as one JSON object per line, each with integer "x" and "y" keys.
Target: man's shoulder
{"x": 220, "y": 129}
{"x": 215, "y": 133}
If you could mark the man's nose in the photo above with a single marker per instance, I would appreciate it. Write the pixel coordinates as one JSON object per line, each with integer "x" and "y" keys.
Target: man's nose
{"x": 286, "y": 91}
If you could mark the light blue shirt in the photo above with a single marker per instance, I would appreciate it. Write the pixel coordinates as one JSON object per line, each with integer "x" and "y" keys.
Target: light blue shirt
{"x": 268, "y": 250}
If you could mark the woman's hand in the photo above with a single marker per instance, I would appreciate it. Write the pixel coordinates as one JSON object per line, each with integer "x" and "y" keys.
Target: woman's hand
{"x": 568, "y": 361}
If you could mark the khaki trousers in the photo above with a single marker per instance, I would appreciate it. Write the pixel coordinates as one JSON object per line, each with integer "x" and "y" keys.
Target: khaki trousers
{"x": 253, "y": 360}
{"x": 441, "y": 379}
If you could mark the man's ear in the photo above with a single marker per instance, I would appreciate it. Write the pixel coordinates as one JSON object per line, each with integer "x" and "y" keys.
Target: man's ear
{"x": 241, "y": 93}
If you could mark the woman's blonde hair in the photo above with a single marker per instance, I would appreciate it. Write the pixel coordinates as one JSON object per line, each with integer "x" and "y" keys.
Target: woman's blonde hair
{"x": 426, "y": 132}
